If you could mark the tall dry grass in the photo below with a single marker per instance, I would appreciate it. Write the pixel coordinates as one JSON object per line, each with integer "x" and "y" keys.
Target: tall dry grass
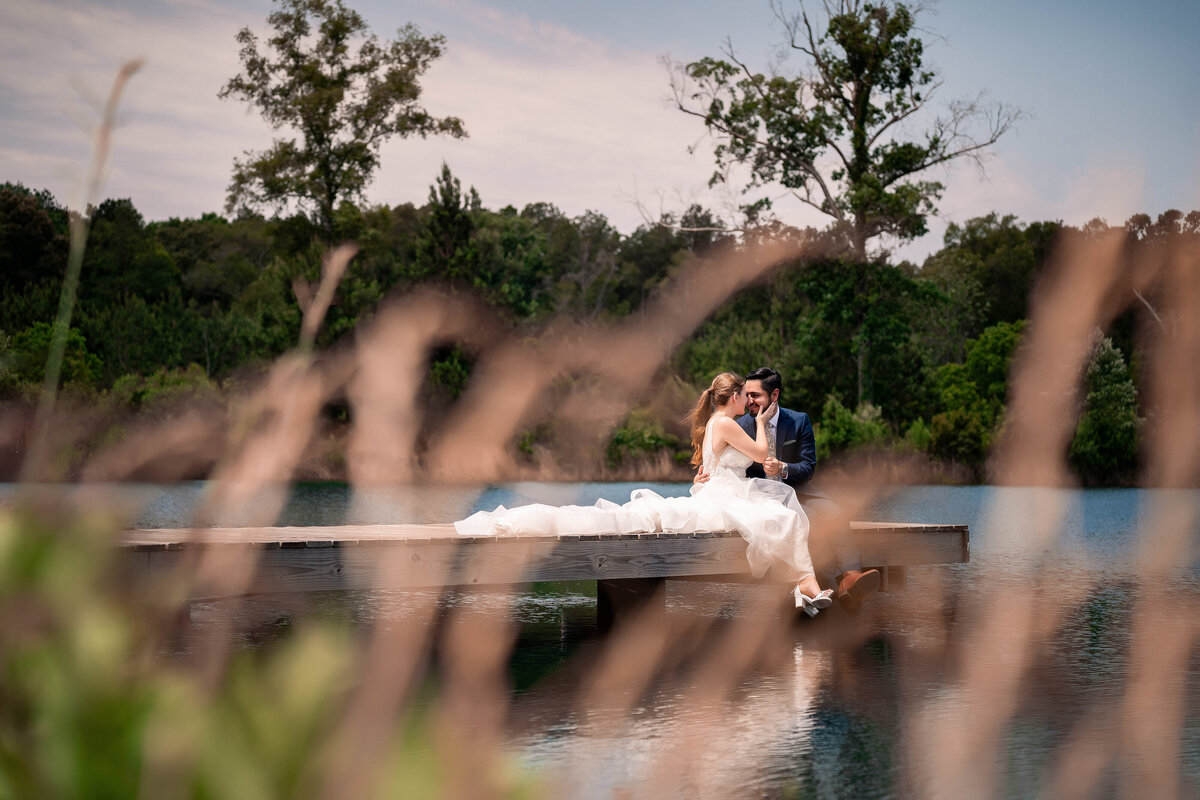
{"x": 100, "y": 696}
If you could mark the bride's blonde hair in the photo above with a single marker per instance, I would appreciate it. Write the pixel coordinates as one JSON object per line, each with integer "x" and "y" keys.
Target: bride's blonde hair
{"x": 723, "y": 387}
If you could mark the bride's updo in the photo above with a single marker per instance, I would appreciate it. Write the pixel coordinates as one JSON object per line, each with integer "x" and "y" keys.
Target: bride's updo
{"x": 723, "y": 387}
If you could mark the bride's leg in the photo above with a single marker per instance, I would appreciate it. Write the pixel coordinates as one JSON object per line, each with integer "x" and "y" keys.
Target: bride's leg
{"x": 809, "y": 585}
{"x": 802, "y": 561}
{"x": 802, "y": 558}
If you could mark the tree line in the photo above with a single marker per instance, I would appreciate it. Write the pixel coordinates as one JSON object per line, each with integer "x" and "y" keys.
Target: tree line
{"x": 895, "y": 358}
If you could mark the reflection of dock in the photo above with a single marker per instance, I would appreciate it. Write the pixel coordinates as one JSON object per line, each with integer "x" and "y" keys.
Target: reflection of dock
{"x": 626, "y": 566}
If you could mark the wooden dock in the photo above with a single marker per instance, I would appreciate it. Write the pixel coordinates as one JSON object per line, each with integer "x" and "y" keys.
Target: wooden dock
{"x": 627, "y": 567}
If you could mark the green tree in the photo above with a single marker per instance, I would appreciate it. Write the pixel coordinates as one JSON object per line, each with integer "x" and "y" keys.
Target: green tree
{"x": 831, "y": 327}
{"x": 513, "y": 247}
{"x": 1172, "y": 222}
{"x": 652, "y": 252}
{"x": 387, "y": 239}
{"x": 501, "y": 257}
{"x": 989, "y": 265}
{"x": 33, "y": 255}
{"x": 446, "y": 250}
{"x": 124, "y": 259}
{"x": 640, "y": 436}
{"x": 945, "y": 325}
{"x": 864, "y": 332}
{"x": 1148, "y": 239}
{"x": 131, "y": 307}
{"x": 972, "y": 397}
{"x": 841, "y": 429}
{"x": 989, "y": 358}
{"x": 586, "y": 286}
{"x": 343, "y": 101}
{"x": 1104, "y": 448}
{"x": 33, "y": 237}
{"x": 833, "y": 135}
{"x": 736, "y": 342}
{"x": 266, "y": 316}
{"x": 29, "y": 349}
{"x": 217, "y": 259}
{"x": 962, "y": 436}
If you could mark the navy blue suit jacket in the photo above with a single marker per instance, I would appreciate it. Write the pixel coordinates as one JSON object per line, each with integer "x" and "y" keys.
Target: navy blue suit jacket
{"x": 795, "y": 445}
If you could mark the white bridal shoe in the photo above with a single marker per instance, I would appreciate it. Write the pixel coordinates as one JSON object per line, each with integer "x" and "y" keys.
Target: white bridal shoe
{"x": 813, "y": 605}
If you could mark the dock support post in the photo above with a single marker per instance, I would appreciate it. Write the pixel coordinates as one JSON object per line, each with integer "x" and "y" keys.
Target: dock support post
{"x": 895, "y": 578}
{"x": 619, "y": 599}
{"x": 178, "y": 625}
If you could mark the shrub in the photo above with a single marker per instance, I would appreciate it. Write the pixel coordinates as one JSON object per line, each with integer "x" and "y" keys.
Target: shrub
{"x": 841, "y": 430}
{"x": 962, "y": 435}
{"x": 642, "y": 435}
{"x": 918, "y": 437}
{"x": 163, "y": 389}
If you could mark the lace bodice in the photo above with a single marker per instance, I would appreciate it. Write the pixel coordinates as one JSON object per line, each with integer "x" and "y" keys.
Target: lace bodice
{"x": 731, "y": 459}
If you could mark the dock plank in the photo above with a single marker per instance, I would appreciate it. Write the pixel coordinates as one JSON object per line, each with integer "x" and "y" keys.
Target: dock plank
{"x": 298, "y": 559}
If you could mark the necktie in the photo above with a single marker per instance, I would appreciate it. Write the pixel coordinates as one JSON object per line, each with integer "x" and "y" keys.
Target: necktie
{"x": 771, "y": 446}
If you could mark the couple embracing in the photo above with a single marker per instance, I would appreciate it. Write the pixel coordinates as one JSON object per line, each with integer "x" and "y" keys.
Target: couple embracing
{"x": 754, "y": 476}
{"x": 745, "y": 443}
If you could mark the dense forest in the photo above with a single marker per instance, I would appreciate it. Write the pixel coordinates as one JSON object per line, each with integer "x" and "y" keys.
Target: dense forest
{"x": 903, "y": 358}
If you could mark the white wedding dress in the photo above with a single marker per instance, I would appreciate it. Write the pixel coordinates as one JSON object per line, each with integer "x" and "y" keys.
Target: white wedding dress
{"x": 765, "y": 512}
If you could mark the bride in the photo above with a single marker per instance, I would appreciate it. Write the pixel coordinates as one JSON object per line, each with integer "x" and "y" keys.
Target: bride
{"x": 765, "y": 512}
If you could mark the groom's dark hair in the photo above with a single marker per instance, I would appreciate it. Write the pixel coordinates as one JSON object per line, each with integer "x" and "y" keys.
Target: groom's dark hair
{"x": 771, "y": 380}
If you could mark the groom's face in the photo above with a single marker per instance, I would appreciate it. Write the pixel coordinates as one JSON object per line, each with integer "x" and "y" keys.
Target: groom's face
{"x": 756, "y": 398}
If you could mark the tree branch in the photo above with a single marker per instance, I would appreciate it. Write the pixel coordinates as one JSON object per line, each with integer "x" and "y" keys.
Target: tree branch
{"x": 999, "y": 124}
{"x": 897, "y": 118}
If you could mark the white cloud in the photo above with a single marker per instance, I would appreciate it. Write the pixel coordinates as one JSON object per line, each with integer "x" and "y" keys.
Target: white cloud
{"x": 174, "y": 139}
{"x": 552, "y": 118}
{"x": 580, "y": 134}
{"x": 538, "y": 39}
{"x": 552, "y": 115}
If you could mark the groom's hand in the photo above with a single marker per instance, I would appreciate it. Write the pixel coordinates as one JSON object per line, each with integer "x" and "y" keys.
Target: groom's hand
{"x": 701, "y": 476}
{"x": 772, "y": 467}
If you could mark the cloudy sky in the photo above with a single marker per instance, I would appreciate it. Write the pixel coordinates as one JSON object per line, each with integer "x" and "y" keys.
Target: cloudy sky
{"x": 567, "y": 102}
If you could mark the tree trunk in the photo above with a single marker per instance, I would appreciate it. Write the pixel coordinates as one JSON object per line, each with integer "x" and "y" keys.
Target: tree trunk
{"x": 859, "y": 242}
{"x": 862, "y": 371}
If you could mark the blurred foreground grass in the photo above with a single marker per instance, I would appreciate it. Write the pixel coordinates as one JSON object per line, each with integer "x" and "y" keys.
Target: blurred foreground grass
{"x": 103, "y": 694}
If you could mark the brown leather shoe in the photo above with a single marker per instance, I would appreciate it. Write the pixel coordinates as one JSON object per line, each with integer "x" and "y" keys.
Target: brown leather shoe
{"x": 854, "y": 587}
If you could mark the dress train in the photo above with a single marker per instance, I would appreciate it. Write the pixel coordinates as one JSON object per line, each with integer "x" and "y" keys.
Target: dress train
{"x": 764, "y": 512}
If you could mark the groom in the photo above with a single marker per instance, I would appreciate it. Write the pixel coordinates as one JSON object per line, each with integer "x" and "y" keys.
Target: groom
{"x": 794, "y": 460}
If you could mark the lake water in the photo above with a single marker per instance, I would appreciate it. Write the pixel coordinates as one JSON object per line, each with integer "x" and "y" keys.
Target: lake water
{"x": 840, "y": 715}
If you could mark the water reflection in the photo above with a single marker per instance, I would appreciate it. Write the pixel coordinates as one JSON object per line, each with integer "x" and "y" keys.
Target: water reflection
{"x": 682, "y": 735}
{"x": 833, "y": 718}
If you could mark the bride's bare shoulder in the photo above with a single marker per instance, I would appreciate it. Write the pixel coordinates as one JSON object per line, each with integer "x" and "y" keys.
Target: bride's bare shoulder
{"x": 725, "y": 424}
